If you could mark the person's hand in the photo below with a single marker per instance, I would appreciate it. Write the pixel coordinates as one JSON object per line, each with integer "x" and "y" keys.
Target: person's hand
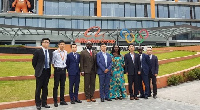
{"x": 106, "y": 70}
{"x": 126, "y": 73}
{"x": 29, "y": 6}
{"x": 139, "y": 72}
{"x": 156, "y": 75}
{"x": 67, "y": 75}
{"x": 82, "y": 73}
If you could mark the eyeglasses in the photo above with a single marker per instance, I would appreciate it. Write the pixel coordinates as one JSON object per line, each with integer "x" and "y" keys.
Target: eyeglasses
{"x": 46, "y": 42}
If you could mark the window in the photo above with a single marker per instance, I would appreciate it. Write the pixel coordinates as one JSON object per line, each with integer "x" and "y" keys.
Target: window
{"x": 139, "y": 10}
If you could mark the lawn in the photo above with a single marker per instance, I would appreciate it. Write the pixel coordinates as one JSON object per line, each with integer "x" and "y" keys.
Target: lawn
{"x": 16, "y": 57}
{"x": 161, "y": 56}
{"x": 177, "y": 66}
{"x": 25, "y": 68}
{"x": 174, "y": 54}
{"x": 16, "y": 69}
{"x": 25, "y": 90}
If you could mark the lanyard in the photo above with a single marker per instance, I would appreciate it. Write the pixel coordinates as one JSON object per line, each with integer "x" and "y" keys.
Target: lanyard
{"x": 62, "y": 57}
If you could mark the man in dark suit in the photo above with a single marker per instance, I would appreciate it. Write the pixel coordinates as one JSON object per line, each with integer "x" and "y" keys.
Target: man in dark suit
{"x": 104, "y": 64}
{"x": 153, "y": 72}
{"x": 132, "y": 69}
{"x": 144, "y": 76}
{"x": 73, "y": 60}
{"x": 42, "y": 64}
{"x": 88, "y": 70}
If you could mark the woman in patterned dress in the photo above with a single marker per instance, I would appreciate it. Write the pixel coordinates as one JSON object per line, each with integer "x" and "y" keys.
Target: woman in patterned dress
{"x": 117, "y": 87}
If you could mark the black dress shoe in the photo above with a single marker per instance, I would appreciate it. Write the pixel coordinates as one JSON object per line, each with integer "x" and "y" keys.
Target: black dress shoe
{"x": 149, "y": 95}
{"x": 72, "y": 102}
{"x": 108, "y": 99}
{"x": 55, "y": 104}
{"x": 136, "y": 98}
{"x": 142, "y": 96}
{"x": 38, "y": 107}
{"x": 146, "y": 97}
{"x": 78, "y": 101}
{"x": 120, "y": 98}
{"x": 45, "y": 106}
{"x": 102, "y": 99}
{"x": 154, "y": 96}
{"x": 63, "y": 103}
{"x": 131, "y": 98}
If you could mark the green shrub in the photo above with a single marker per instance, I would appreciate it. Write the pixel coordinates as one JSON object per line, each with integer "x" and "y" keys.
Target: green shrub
{"x": 190, "y": 76}
{"x": 197, "y": 72}
{"x": 175, "y": 80}
{"x": 180, "y": 79}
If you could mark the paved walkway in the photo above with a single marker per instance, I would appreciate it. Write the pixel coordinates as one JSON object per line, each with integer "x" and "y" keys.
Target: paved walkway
{"x": 182, "y": 97}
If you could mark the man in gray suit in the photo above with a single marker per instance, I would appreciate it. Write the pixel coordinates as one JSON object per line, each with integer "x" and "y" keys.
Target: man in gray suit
{"x": 88, "y": 70}
{"x": 153, "y": 72}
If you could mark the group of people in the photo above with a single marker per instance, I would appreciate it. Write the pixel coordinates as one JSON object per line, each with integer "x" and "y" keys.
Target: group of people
{"x": 110, "y": 67}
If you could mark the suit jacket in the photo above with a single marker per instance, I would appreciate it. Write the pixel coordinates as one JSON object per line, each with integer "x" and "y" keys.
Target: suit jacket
{"x": 101, "y": 65}
{"x": 38, "y": 61}
{"x": 146, "y": 65}
{"x": 154, "y": 64}
{"x": 73, "y": 64}
{"x": 87, "y": 62}
{"x": 130, "y": 67}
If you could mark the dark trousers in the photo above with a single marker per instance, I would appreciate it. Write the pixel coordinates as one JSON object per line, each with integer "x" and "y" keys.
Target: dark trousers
{"x": 153, "y": 77}
{"x": 74, "y": 81}
{"x": 104, "y": 80}
{"x": 133, "y": 79}
{"x": 59, "y": 77}
{"x": 42, "y": 84}
{"x": 145, "y": 79}
{"x": 89, "y": 84}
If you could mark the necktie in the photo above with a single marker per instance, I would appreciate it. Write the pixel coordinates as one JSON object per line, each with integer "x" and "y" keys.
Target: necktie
{"x": 75, "y": 55}
{"x": 45, "y": 59}
{"x": 90, "y": 53}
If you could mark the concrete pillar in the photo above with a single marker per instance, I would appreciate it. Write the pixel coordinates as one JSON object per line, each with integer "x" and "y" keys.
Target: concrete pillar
{"x": 1, "y": 6}
{"x": 13, "y": 41}
{"x": 167, "y": 42}
{"x": 6, "y": 6}
{"x": 38, "y": 43}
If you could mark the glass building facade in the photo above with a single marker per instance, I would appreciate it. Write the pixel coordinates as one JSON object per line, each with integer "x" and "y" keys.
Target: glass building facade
{"x": 68, "y": 14}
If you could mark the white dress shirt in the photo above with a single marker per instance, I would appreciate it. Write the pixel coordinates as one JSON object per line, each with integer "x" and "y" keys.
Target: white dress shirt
{"x": 150, "y": 56}
{"x": 59, "y": 58}
{"x": 132, "y": 56}
{"x": 141, "y": 59}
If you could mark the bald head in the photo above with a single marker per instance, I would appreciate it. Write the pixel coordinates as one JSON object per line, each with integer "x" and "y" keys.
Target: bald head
{"x": 88, "y": 42}
{"x": 89, "y": 45}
